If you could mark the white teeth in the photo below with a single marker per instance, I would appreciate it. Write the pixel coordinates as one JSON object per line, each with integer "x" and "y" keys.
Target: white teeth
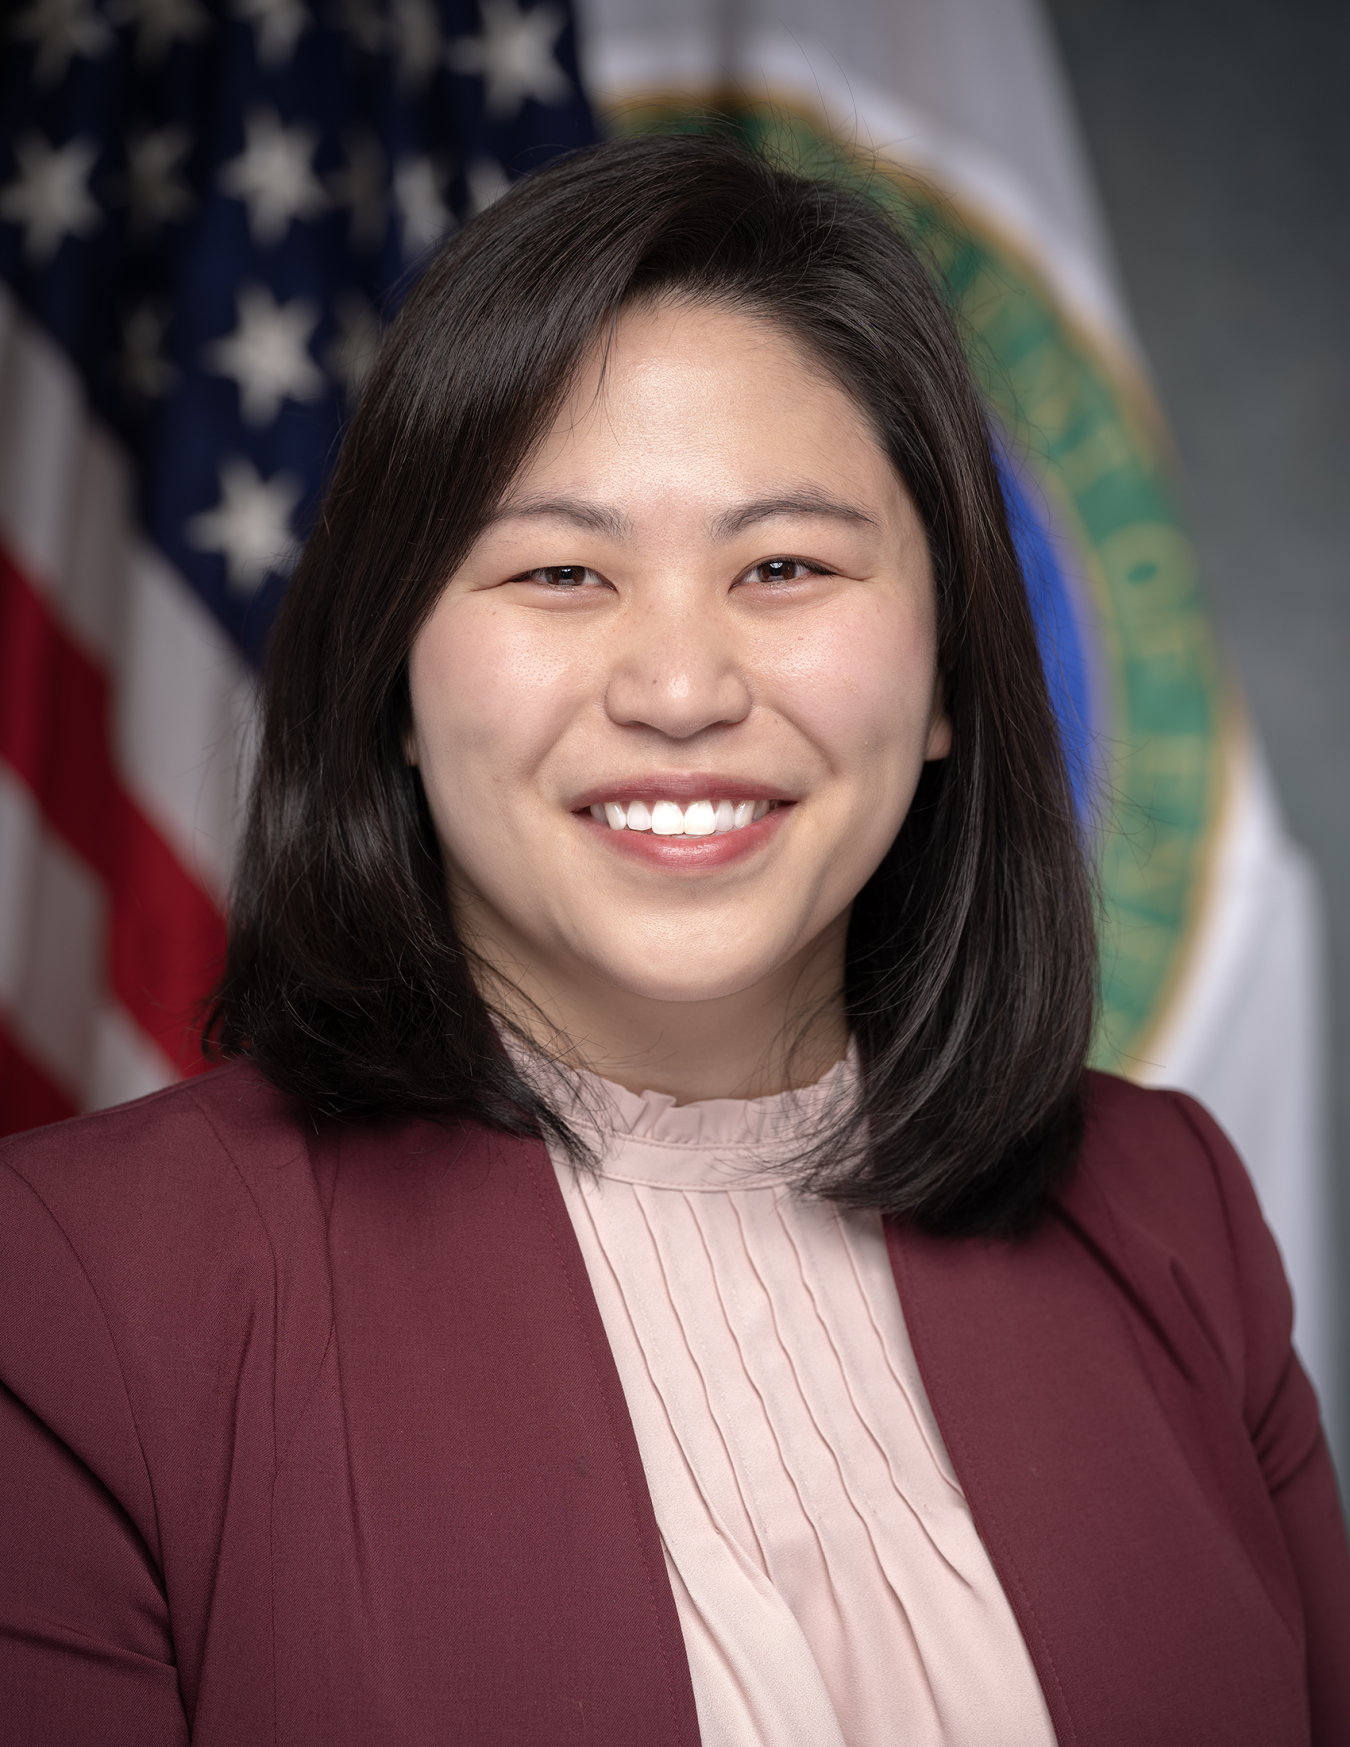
{"x": 668, "y": 819}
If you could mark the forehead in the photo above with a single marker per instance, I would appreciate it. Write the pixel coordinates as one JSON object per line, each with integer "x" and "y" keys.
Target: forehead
{"x": 680, "y": 390}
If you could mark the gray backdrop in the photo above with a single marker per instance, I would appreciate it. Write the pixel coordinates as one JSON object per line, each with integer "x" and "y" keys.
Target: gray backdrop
{"x": 1220, "y": 134}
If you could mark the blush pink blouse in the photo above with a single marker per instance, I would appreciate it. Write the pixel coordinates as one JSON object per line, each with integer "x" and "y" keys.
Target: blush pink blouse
{"x": 830, "y": 1584}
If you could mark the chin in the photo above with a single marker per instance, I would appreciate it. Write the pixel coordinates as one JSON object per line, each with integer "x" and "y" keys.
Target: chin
{"x": 662, "y": 977}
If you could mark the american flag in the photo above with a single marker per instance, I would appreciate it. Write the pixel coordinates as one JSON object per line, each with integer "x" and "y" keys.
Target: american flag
{"x": 207, "y": 213}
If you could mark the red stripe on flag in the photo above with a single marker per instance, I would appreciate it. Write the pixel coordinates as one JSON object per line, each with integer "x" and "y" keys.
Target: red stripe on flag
{"x": 166, "y": 938}
{"x": 28, "y": 1098}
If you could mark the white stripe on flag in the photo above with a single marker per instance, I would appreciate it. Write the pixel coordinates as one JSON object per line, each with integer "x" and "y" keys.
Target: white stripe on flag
{"x": 53, "y": 921}
{"x": 53, "y": 927}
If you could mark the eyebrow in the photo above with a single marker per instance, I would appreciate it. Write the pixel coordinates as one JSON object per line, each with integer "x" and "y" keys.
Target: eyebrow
{"x": 602, "y": 519}
{"x": 598, "y": 517}
{"x": 793, "y": 503}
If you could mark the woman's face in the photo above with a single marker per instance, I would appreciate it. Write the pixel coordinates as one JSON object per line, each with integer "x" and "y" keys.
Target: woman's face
{"x": 671, "y": 709}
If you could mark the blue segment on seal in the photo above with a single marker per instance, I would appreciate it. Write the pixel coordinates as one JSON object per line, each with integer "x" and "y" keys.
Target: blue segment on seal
{"x": 1058, "y": 630}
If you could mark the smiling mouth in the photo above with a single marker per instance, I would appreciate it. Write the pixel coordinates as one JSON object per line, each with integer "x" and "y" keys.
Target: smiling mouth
{"x": 702, "y": 818}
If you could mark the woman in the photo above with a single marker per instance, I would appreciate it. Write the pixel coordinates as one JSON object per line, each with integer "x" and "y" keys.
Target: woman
{"x": 660, "y": 868}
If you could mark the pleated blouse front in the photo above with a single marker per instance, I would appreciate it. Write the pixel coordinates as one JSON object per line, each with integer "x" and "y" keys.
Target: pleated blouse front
{"x": 830, "y": 1583}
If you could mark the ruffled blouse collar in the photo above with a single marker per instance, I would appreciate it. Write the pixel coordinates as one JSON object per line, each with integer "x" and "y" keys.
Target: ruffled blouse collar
{"x": 715, "y": 1143}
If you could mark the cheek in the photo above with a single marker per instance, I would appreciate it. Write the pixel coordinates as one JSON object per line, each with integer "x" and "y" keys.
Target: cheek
{"x": 488, "y": 695}
{"x": 861, "y": 682}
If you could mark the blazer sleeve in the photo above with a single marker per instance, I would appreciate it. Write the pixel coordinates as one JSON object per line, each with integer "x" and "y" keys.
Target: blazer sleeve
{"x": 1282, "y": 1417}
{"x": 85, "y": 1648}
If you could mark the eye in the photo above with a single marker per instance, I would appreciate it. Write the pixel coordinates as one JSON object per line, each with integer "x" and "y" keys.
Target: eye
{"x": 563, "y": 578}
{"x": 776, "y": 571}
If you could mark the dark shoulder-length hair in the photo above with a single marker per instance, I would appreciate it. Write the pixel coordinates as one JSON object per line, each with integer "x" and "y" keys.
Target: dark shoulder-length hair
{"x": 971, "y": 963}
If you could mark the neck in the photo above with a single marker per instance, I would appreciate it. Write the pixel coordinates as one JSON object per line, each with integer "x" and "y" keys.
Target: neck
{"x": 783, "y": 1033}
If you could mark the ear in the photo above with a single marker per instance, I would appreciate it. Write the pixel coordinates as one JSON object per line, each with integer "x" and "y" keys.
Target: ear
{"x": 410, "y": 748}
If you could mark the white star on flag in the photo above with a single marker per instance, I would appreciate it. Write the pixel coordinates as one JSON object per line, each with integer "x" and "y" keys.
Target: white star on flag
{"x": 62, "y": 29}
{"x": 361, "y": 186}
{"x": 250, "y": 526}
{"x": 424, "y": 215}
{"x": 145, "y": 369}
{"x": 50, "y": 196}
{"x": 160, "y": 23}
{"x": 514, "y": 55}
{"x": 274, "y": 176}
{"x": 268, "y": 354}
{"x": 417, "y": 37}
{"x": 487, "y": 183}
{"x": 278, "y": 25}
{"x": 351, "y": 355}
{"x": 363, "y": 24}
{"x": 156, "y": 192}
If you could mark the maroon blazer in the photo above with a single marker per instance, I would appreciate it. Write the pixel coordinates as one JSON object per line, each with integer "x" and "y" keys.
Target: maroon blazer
{"x": 311, "y": 1435}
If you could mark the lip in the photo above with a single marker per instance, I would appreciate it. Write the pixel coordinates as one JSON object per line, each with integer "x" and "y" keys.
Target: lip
{"x": 691, "y": 855}
{"x": 679, "y": 786}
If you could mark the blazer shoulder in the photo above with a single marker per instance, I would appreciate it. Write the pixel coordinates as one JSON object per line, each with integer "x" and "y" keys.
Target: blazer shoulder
{"x": 1163, "y": 1161}
{"x": 186, "y": 1171}
{"x": 228, "y": 1110}
{"x": 1160, "y": 1190}
{"x": 145, "y": 1208}
{"x": 157, "y": 1202}
{"x": 143, "y": 1251}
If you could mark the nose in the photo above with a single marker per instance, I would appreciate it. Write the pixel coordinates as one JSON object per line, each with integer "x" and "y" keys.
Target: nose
{"x": 673, "y": 668}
